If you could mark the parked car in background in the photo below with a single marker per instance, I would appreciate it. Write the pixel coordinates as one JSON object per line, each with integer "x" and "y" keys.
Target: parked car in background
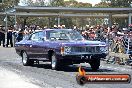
{"x": 61, "y": 47}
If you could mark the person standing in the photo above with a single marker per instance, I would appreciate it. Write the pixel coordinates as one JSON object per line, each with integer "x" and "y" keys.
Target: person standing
{"x": 20, "y": 35}
{"x": 9, "y": 37}
{"x": 2, "y": 36}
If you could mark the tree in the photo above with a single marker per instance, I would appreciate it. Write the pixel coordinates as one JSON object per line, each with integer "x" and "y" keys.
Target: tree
{"x": 0, "y": 1}
{"x": 6, "y": 5}
{"x": 102, "y": 4}
{"x": 9, "y": 3}
{"x": 71, "y": 3}
{"x": 57, "y": 3}
{"x": 74, "y": 3}
{"x": 119, "y": 3}
{"x": 30, "y": 3}
{"x": 37, "y": 3}
{"x": 80, "y": 4}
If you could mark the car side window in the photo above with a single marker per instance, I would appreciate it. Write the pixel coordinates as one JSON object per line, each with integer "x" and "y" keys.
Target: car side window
{"x": 35, "y": 37}
{"x": 51, "y": 34}
{"x": 41, "y": 36}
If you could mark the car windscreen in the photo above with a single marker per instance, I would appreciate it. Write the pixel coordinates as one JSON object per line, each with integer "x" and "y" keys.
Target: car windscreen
{"x": 64, "y": 35}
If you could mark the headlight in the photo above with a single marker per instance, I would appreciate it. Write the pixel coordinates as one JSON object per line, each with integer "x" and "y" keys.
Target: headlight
{"x": 104, "y": 49}
{"x": 65, "y": 50}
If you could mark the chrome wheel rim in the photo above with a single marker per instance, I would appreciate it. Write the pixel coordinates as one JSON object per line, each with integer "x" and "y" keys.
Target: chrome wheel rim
{"x": 53, "y": 61}
{"x": 24, "y": 58}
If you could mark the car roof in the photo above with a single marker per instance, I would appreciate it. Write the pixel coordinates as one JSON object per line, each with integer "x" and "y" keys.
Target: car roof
{"x": 50, "y": 30}
{"x": 56, "y": 29}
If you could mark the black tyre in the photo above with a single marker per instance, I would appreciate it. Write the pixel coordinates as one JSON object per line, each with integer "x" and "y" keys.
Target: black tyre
{"x": 95, "y": 64}
{"x": 55, "y": 63}
{"x": 25, "y": 59}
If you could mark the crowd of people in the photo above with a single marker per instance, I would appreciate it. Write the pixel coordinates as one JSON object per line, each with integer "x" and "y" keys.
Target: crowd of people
{"x": 6, "y": 35}
{"x": 11, "y": 35}
{"x": 102, "y": 33}
{"x": 98, "y": 32}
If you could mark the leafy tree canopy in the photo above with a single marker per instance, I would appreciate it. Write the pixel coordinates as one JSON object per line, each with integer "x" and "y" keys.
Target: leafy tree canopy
{"x": 8, "y": 4}
{"x": 119, "y": 3}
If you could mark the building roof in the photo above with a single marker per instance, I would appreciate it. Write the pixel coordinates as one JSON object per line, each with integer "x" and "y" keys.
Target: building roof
{"x": 29, "y": 11}
{"x": 74, "y": 10}
{"x": 63, "y": 15}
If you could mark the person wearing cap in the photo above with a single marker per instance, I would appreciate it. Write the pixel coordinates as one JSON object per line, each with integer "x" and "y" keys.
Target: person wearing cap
{"x": 55, "y": 26}
{"x": 63, "y": 26}
{"x": 125, "y": 30}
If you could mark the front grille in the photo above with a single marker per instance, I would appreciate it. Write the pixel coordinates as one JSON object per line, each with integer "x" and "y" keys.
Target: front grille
{"x": 87, "y": 49}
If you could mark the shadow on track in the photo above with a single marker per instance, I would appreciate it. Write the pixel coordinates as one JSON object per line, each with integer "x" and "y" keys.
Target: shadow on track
{"x": 71, "y": 68}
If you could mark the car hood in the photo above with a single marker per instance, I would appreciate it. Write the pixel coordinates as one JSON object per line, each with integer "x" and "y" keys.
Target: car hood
{"x": 82, "y": 43}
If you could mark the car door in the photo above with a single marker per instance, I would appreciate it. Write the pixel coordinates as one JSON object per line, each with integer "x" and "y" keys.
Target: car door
{"x": 33, "y": 46}
{"x": 41, "y": 45}
{"x": 38, "y": 45}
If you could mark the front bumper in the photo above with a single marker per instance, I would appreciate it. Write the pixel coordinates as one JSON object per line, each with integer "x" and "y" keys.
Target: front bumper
{"x": 81, "y": 57}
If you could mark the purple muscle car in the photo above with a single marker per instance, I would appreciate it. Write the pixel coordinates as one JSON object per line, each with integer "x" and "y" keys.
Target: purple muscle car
{"x": 61, "y": 47}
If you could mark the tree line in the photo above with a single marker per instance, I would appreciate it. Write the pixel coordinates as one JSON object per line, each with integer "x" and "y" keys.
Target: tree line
{"x": 42, "y": 21}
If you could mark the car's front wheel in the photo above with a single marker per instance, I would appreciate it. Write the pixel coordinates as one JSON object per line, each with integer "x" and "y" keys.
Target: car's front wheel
{"x": 95, "y": 64}
{"x": 55, "y": 63}
{"x": 25, "y": 59}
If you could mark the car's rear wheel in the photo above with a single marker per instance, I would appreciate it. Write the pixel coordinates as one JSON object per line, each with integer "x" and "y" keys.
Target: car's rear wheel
{"x": 25, "y": 59}
{"x": 55, "y": 63}
{"x": 95, "y": 64}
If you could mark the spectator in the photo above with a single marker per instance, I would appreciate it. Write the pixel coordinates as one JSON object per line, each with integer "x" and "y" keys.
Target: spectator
{"x": 85, "y": 34}
{"x": 9, "y": 36}
{"x": 2, "y": 36}
{"x": 91, "y": 33}
{"x": 20, "y": 35}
